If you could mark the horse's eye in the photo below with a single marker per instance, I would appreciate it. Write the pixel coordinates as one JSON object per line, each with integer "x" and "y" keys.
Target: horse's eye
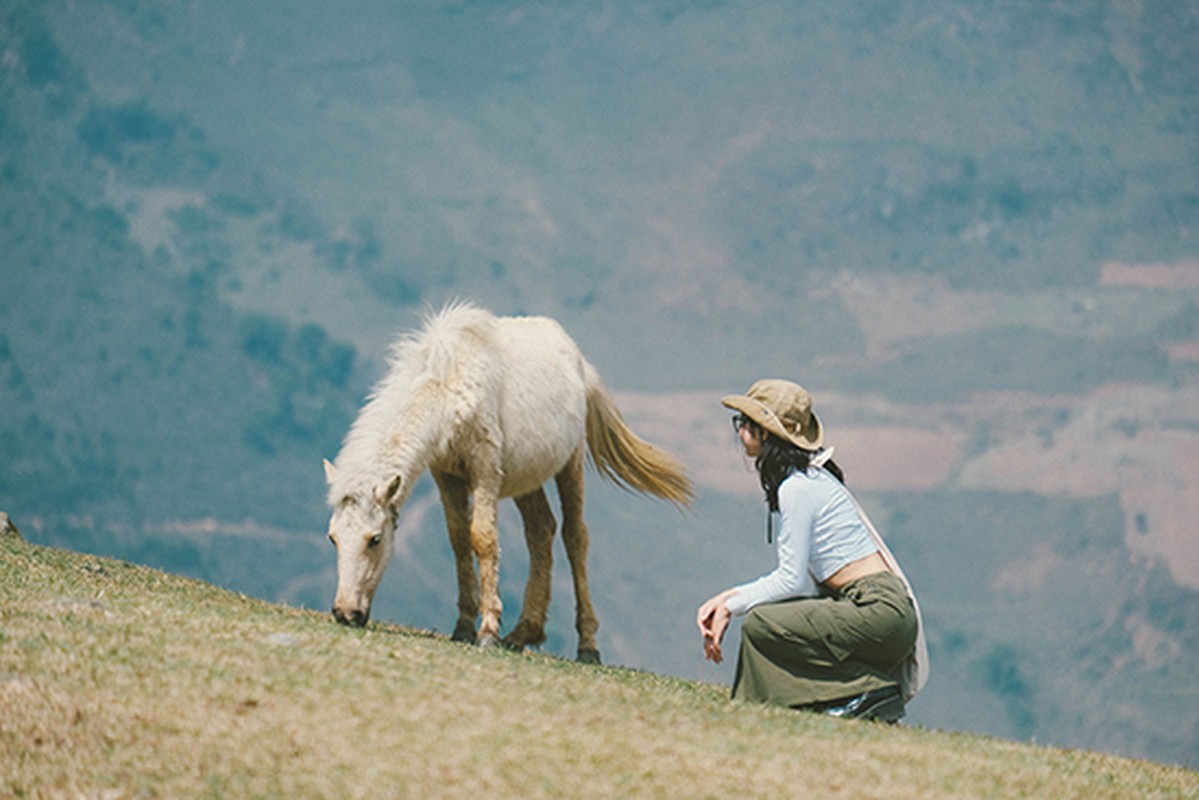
{"x": 374, "y": 540}
{"x": 332, "y": 541}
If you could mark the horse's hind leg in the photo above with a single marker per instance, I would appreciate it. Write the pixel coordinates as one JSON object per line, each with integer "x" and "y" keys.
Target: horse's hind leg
{"x": 539, "y": 536}
{"x": 575, "y": 538}
{"x": 455, "y": 500}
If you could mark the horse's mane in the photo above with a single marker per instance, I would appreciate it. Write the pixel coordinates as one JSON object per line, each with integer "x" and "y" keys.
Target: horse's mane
{"x": 429, "y": 354}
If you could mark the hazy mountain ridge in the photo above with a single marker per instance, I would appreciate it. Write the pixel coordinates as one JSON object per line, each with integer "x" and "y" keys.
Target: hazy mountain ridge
{"x": 925, "y": 204}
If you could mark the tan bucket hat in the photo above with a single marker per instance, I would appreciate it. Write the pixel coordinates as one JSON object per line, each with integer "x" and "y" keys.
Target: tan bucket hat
{"x": 783, "y": 408}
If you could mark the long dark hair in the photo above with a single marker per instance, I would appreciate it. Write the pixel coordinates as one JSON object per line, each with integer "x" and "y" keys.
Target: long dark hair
{"x": 776, "y": 460}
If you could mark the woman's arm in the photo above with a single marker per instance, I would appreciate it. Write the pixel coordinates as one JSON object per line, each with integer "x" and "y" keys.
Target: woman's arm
{"x": 798, "y": 510}
{"x": 713, "y": 620}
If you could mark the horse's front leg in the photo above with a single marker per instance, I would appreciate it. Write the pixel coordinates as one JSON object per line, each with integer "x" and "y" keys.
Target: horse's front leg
{"x": 455, "y": 501}
{"x": 484, "y": 541}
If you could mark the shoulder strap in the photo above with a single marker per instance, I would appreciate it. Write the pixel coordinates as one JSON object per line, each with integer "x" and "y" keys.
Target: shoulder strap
{"x": 913, "y": 673}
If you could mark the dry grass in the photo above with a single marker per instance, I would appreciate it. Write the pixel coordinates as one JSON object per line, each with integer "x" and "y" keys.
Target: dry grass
{"x": 120, "y": 681}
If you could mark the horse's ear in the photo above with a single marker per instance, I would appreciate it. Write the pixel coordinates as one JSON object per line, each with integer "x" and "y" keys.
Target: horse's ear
{"x": 330, "y": 471}
{"x": 385, "y": 494}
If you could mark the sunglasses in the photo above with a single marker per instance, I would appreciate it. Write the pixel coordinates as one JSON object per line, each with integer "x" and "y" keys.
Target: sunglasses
{"x": 740, "y": 421}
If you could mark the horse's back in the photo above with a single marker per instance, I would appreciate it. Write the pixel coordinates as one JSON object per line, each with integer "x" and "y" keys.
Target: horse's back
{"x": 539, "y": 353}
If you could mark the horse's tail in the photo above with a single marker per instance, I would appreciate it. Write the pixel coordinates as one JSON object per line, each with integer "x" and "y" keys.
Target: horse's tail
{"x": 623, "y": 458}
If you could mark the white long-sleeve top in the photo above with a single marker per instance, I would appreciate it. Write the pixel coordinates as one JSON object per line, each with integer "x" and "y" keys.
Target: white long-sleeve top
{"x": 819, "y": 532}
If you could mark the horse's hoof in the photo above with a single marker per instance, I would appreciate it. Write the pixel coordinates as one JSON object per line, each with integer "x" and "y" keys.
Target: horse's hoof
{"x": 488, "y": 640}
{"x": 513, "y": 642}
{"x": 464, "y": 632}
{"x": 589, "y": 656}
{"x": 525, "y": 634}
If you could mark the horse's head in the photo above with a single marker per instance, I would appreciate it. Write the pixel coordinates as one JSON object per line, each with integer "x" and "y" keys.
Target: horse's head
{"x": 362, "y": 528}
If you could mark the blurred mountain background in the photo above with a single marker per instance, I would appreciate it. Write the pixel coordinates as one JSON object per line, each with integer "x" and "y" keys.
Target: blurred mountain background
{"x": 971, "y": 229}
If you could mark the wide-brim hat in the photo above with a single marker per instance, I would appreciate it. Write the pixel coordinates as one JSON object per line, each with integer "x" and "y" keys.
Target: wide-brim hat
{"x": 783, "y": 408}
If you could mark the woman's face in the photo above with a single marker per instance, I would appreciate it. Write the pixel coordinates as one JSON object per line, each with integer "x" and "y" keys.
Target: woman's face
{"x": 751, "y": 437}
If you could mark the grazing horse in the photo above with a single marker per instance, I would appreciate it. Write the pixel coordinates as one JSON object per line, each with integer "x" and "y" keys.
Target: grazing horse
{"x": 493, "y": 407}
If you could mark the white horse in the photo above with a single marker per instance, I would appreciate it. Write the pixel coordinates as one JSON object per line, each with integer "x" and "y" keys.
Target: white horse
{"x": 492, "y": 407}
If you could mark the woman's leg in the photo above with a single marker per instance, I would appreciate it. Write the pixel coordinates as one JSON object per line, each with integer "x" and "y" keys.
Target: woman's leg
{"x": 817, "y": 650}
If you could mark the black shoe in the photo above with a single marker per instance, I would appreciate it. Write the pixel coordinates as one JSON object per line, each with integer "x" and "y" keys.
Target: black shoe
{"x": 885, "y": 705}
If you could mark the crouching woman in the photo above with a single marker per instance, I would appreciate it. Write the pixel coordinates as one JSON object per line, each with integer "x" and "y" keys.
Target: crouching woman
{"x": 834, "y": 628}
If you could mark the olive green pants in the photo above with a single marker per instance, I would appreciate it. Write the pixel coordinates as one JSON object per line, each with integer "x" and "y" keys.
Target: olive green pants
{"x": 814, "y": 650}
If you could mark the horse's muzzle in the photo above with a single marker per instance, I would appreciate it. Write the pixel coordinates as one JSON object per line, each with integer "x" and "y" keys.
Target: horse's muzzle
{"x": 355, "y": 618}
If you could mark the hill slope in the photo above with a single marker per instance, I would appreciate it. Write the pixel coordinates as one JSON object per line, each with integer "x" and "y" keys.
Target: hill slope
{"x": 117, "y": 679}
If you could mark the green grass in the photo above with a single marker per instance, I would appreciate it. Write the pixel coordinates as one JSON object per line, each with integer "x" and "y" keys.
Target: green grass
{"x": 122, "y": 681}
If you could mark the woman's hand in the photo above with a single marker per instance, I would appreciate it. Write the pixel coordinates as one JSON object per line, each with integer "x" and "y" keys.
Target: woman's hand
{"x": 713, "y": 620}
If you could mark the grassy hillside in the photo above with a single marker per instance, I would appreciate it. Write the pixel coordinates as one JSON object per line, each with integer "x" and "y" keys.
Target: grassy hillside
{"x": 118, "y": 680}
